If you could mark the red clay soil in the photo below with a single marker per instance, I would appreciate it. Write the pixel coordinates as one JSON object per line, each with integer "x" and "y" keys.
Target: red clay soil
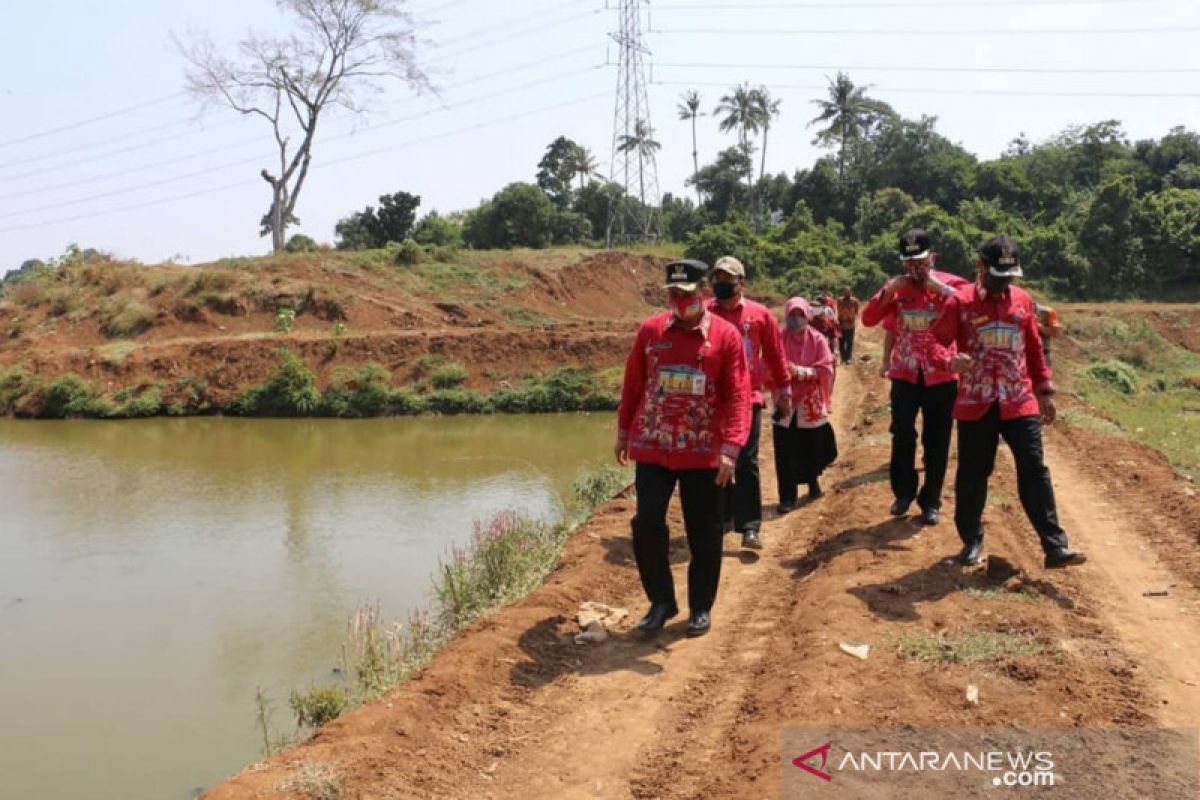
{"x": 512, "y": 708}
{"x": 502, "y": 315}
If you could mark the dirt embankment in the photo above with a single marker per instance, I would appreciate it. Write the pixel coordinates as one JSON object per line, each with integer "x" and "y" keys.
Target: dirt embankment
{"x": 501, "y": 315}
{"x": 512, "y": 708}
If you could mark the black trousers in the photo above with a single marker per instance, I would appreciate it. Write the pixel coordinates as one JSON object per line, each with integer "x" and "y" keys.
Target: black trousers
{"x": 701, "y": 519}
{"x": 846, "y": 345}
{"x": 977, "y": 443}
{"x": 743, "y": 499}
{"x": 936, "y": 405}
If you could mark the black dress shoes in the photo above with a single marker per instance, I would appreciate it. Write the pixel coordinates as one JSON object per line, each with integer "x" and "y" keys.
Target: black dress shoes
{"x": 930, "y": 516}
{"x": 971, "y": 553}
{"x": 657, "y": 617}
{"x": 1064, "y": 557}
{"x": 699, "y": 624}
{"x": 900, "y": 507}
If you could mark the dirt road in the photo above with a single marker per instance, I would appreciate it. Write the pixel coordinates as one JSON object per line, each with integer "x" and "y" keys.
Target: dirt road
{"x": 514, "y": 709}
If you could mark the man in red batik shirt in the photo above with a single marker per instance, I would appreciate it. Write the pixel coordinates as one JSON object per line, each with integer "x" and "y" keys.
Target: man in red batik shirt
{"x": 1004, "y": 390}
{"x": 907, "y": 305}
{"x": 684, "y": 418}
{"x": 764, "y": 355}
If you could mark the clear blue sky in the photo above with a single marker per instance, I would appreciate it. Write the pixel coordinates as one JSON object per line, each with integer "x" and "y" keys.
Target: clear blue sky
{"x": 68, "y": 62}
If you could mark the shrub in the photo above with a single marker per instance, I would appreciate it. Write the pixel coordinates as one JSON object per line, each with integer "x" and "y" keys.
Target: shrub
{"x": 447, "y": 376}
{"x": 362, "y": 392}
{"x": 318, "y": 706}
{"x": 71, "y": 396}
{"x": 299, "y": 243}
{"x": 16, "y": 383}
{"x": 290, "y": 392}
{"x": 146, "y": 403}
{"x": 407, "y": 253}
{"x": 123, "y": 317}
{"x": 455, "y": 401}
{"x": 1115, "y": 375}
{"x": 285, "y": 320}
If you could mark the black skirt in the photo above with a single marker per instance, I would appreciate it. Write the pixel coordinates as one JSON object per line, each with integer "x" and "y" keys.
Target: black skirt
{"x": 801, "y": 455}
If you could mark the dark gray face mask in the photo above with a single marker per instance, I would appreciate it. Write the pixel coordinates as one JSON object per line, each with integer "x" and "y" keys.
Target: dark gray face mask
{"x": 994, "y": 285}
{"x": 724, "y": 291}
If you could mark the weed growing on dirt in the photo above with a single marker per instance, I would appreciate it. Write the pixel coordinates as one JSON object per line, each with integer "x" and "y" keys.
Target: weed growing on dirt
{"x": 1000, "y": 593}
{"x": 973, "y": 646}
{"x": 313, "y": 780}
{"x": 595, "y": 487}
{"x": 285, "y": 320}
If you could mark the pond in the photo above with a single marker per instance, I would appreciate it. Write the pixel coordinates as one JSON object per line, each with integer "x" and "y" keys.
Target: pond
{"x": 154, "y": 573}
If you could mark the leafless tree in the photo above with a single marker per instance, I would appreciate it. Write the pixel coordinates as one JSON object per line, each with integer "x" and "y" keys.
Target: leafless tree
{"x": 339, "y": 53}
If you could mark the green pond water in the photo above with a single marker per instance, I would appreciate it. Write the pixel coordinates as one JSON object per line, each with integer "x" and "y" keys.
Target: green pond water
{"x": 154, "y": 573}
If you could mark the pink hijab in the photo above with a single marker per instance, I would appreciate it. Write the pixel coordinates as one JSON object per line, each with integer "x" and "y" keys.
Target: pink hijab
{"x": 809, "y": 348}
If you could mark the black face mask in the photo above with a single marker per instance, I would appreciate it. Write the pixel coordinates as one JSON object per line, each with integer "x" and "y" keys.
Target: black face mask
{"x": 995, "y": 286}
{"x": 724, "y": 291}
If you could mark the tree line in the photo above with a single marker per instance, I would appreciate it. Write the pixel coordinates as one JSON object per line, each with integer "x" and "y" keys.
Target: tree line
{"x": 1100, "y": 217}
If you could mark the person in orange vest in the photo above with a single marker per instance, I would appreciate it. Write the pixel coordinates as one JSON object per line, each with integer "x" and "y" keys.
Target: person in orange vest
{"x": 907, "y": 305}
{"x": 764, "y": 354}
{"x": 847, "y": 314}
{"x": 1049, "y": 326}
{"x": 684, "y": 417}
{"x": 1005, "y": 390}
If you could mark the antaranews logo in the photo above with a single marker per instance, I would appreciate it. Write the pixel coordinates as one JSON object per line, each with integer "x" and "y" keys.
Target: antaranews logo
{"x": 823, "y": 752}
{"x": 1019, "y": 768}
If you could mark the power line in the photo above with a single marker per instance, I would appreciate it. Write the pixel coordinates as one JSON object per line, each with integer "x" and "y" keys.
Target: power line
{"x": 517, "y": 35}
{"x": 909, "y": 90}
{"x": 92, "y": 120}
{"x": 377, "y": 151}
{"x": 258, "y": 158}
{"x": 90, "y": 145}
{"x": 150, "y": 103}
{"x": 926, "y": 31}
{"x": 56, "y": 168}
{"x": 902, "y": 68}
{"x": 257, "y": 140}
{"x": 558, "y": 5}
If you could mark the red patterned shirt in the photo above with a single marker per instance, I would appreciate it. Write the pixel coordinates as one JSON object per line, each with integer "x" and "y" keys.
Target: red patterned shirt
{"x": 1000, "y": 334}
{"x": 762, "y": 343}
{"x": 909, "y": 314}
{"x": 686, "y": 397}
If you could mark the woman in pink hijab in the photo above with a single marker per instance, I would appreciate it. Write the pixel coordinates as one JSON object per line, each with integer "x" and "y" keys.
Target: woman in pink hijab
{"x": 804, "y": 440}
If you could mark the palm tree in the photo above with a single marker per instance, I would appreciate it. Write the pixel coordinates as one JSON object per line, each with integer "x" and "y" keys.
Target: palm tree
{"x": 642, "y": 142}
{"x": 581, "y": 162}
{"x": 740, "y": 110}
{"x": 689, "y": 109}
{"x": 850, "y": 115}
{"x": 768, "y": 109}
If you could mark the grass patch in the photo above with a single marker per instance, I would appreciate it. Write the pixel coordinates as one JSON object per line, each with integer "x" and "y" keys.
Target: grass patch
{"x": 971, "y": 647}
{"x": 997, "y": 593}
{"x": 115, "y": 353}
{"x": 1082, "y": 419}
{"x": 1001, "y": 499}
{"x": 525, "y": 317}
{"x": 312, "y": 780}
{"x": 122, "y": 317}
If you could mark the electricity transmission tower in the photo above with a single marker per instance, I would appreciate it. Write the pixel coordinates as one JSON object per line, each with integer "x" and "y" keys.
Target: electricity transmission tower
{"x": 633, "y": 215}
